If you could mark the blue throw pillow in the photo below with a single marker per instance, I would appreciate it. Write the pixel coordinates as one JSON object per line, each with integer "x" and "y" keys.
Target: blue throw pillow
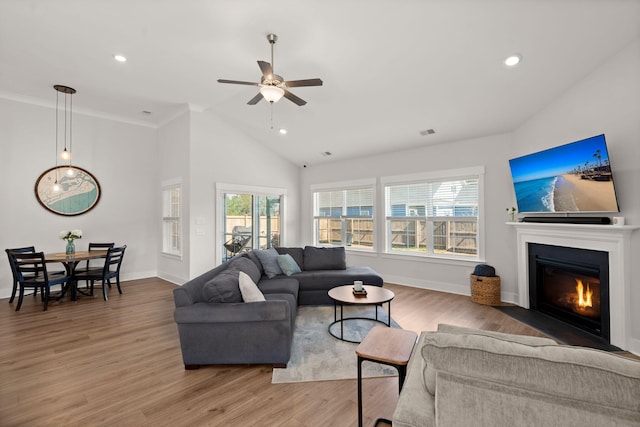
{"x": 269, "y": 260}
{"x": 288, "y": 265}
{"x": 296, "y": 253}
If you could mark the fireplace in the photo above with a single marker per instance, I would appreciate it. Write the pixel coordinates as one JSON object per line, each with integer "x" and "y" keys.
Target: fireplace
{"x": 571, "y": 285}
{"x": 615, "y": 241}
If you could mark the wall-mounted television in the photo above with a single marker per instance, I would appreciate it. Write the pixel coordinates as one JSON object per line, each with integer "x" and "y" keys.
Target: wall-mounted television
{"x": 574, "y": 177}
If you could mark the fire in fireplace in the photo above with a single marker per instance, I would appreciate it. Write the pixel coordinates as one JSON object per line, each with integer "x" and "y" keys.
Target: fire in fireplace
{"x": 571, "y": 285}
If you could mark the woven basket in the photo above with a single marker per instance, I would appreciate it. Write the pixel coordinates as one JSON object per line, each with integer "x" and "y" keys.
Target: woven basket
{"x": 485, "y": 290}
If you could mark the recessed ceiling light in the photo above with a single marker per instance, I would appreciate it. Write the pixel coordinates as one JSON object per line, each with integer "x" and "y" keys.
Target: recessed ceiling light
{"x": 513, "y": 60}
{"x": 283, "y": 131}
{"x": 120, "y": 58}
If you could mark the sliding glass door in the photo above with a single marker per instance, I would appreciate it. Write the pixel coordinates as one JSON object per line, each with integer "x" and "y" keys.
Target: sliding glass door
{"x": 250, "y": 221}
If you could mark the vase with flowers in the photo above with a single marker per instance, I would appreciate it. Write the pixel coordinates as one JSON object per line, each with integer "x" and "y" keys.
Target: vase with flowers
{"x": 70, "y": 236}
{"x": 512, "y": 213}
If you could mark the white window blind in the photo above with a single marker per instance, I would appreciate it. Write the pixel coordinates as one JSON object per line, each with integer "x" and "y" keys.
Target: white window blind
{"x": 433, "y": 217}
{"x": 344, "y": 217}
{"x": 171, "y": 220}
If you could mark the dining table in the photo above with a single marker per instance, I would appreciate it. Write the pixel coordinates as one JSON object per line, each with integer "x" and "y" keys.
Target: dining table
{"x": 70, "y": 262}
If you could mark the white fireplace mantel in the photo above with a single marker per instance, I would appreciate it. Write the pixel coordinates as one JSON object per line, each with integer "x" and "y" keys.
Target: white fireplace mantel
{"x": 616, "y": 240}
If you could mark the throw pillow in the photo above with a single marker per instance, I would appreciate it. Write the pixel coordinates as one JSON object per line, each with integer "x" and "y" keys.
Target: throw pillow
{"x": 288, "y": 265}
{"x": 223, "y": 288}
{"x": 324, "y": 258}
{"x": 296, "y": 253}
{"x": 248, "y": 288}
{"x": 269, "y": 260}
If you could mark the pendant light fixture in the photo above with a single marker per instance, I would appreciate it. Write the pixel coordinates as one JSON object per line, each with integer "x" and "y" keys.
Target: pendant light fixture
{"x": 68, "y": 125}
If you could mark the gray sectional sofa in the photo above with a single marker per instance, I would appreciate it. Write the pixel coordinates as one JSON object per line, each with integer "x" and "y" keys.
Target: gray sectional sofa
{"x": 216, "y": 325}
{"x": 466, "y": 377}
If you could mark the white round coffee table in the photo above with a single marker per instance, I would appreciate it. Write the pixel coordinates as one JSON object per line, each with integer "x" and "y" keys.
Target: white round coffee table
{"x": 344, "y": 295}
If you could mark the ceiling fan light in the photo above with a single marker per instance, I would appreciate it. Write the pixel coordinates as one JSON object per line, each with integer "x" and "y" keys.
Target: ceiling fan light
{"x": 271, "y": 93}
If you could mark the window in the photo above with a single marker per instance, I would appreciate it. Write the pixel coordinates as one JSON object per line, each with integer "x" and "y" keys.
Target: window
{"x": 434, "y": 216}
{"x": 171, "y": 220}
{"x": 249, "y": 218}
{"x": 344, "y": 217}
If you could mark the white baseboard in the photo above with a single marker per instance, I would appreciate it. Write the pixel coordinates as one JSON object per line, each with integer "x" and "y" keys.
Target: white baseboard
{"x": 451, "y": 288}
{"x": 137, "y": 275}
{"x": 173, "y": 279}
{"x": 634, "y": 346}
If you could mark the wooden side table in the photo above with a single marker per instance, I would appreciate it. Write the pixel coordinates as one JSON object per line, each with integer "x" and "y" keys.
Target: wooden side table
{"x": 388, "y": 346}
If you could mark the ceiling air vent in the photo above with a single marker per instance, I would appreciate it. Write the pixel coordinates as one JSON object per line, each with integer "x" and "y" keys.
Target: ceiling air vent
{"x": 427, "y": 132}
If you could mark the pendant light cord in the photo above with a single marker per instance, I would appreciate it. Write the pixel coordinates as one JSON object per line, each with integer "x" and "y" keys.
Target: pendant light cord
{"x": 70, "y": 127}
{"x": 57, "y": 103}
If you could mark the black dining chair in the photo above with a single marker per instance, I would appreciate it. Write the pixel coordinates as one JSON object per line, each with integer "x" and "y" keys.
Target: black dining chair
{"x": 110, "y": 270}
{"x": 31, "y": 271}
{"x": 98, "y": 264}
{"x": 26, "y": 249}
{"x": 97, "y": 247}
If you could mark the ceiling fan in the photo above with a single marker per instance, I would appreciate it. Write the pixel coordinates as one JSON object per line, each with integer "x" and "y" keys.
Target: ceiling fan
{"x": 272, "y": 86}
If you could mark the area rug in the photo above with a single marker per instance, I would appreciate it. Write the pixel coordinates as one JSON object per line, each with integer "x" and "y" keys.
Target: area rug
{"x": 318, "y": 356}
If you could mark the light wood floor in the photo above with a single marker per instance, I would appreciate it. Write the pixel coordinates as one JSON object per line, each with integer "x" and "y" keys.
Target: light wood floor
{"x": 118, "y": 363}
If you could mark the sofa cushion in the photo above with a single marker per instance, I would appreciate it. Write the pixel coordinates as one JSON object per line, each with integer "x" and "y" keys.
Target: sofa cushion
{"x": 296, "y": 253}
{"x": 253, "y": 257}
{"x": 248, "y": 288}
{"x": 327, "y": 279}
{"x": 430, "y": 371}
{"x": 247, "y": 266}
{"x": 324, "y": 258}
{"x": 224, "y": 287}
{"x": 288, "y": 265}
{"x": 521, "y": 339}
{"x": 191, "y": 292}
{"x": 279, "y": 285}
{"x": 269, "y": 260}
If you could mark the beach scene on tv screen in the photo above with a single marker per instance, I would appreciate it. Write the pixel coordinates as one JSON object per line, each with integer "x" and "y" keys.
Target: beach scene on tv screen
{"x": 574, "y": 177}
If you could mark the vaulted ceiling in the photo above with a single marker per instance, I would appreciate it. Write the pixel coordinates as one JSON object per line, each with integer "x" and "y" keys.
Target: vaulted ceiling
{"x": 391, "y": 69}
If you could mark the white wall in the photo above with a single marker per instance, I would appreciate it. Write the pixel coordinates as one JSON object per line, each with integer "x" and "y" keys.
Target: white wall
{"x": 173, "y": 165}
{"x": 450, "y": 276}
{"x": 117, "y": 154}
{"x": 218, "y": 153}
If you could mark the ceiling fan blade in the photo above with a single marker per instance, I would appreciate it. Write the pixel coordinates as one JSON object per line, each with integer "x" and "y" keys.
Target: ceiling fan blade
{"x": 255, "y": 99}
{"x": 265, "y": 67}
{"x": 237, "y": 82}
{"x": 307, "y": 82}
{"x": 291, "y": 97}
